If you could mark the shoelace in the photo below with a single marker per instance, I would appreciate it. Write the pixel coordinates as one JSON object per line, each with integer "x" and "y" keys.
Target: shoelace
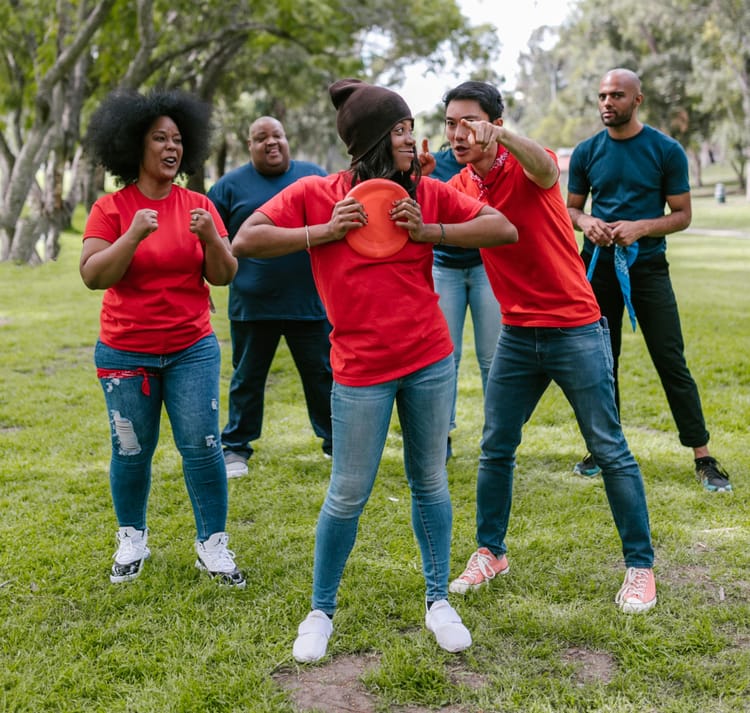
{"x": 711, "y": 469}
{"x": 222, "y": 558}
{"x": 127, "y": 549}
{"x": 637, "y": 583}
{"x": 480, "y": 562}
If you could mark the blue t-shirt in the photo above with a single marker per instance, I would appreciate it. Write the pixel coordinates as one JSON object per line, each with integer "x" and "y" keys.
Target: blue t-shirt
{"x": 268, "y": 288}
{"x": 449, "y": 255}
{"x": 629, "y": 179}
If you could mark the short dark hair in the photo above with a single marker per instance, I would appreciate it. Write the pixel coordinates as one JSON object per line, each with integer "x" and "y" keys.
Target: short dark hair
{"x": 489, "y": 98}
{"x": 118, "y": 126}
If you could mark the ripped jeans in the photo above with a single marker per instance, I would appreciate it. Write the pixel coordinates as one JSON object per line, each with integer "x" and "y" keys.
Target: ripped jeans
{"x": 187, "y": 384}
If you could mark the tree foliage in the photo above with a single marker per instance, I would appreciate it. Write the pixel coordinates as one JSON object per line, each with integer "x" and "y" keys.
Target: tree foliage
{"x": 252, "y": 57}
{"x": 693, "y": 59}
{"x": 60, "y": 57}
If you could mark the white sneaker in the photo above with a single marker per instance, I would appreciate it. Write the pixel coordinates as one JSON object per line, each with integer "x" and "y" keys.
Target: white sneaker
{"x": 218, "y": 561}
{"x": 235, "y": 463}
{"x": 312, "y": 637}
{"x": 443, "y": 621}
{"x": 130, "y": 555}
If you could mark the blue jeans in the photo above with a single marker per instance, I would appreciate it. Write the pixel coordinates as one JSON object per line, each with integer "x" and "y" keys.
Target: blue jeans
{"x": 468, "y": 288}
{"x": 579, "y": 361}
{"x": 254, "y": 345}
{"x": 361, "y": 418}
{"x": 136, "y": 385}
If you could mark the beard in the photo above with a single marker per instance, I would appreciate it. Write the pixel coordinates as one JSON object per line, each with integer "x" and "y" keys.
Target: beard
{"x": 619, "y": 118}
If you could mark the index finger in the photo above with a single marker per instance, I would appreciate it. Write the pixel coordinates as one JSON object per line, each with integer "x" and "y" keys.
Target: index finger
{"x": 425, "y": 146}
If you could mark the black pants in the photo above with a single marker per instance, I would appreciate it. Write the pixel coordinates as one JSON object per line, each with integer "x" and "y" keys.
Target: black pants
{"x": 659, "y": 322}
{"x": 254, "y": 345}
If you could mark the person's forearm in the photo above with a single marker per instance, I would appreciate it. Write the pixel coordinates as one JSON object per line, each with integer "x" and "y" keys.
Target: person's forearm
{"x": 575, "y": 216}
{"x": 220, "y": 266}
{"x": 539, "y": 166}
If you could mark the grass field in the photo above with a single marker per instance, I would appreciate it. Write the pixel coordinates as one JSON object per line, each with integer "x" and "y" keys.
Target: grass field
{"x": 548, "y": 637}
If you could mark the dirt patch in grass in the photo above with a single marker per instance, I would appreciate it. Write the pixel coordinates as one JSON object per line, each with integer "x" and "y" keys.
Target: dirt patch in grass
{"x": 590, "y": 666}
{"x": 337, "y": 687}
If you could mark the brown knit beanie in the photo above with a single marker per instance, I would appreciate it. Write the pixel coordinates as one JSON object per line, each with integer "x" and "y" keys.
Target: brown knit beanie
{"x": 365, "y": 114}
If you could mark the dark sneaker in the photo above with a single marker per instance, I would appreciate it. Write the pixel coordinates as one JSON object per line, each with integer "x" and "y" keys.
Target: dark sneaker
{"x": 712, "y": 476}
{"x": 131, "y": 553}
{"x": 587, "y": 467}
{"x": 218, "y": 561}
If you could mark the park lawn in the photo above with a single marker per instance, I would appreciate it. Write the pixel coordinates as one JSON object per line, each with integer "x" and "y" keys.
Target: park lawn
{"x": 547, "y": 637}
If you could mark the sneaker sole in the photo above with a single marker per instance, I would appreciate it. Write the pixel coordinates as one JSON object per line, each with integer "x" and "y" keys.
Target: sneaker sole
{"x": 221, "y": 577}
{"x": 714, "y": 489}
{"x": 119, "y": 578}
{"x": 633, "y": 608}
{"x": 459, "y": 587}
{"x": 236, "y": 473}
{"x": 587, "y": 473}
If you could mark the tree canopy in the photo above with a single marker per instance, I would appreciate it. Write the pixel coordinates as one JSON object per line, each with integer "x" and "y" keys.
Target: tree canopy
{"x": 693, "y": 59}
{"x": 250, "y": 57}
{"x": 59, "y": 58}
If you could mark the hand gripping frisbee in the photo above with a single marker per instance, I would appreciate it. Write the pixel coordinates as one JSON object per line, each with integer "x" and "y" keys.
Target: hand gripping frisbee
{"x": 380, "y": 237}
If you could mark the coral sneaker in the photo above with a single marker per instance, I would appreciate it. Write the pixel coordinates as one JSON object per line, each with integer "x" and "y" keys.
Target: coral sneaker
{"x": 480, "y": 569}
{"x": 638, "y": 591}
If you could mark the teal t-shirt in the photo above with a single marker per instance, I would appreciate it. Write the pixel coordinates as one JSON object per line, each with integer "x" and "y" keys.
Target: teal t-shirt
{"x": 629, "y": 179}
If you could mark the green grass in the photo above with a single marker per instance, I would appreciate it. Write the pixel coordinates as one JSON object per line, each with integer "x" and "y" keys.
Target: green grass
{"x": 175, "y": 642}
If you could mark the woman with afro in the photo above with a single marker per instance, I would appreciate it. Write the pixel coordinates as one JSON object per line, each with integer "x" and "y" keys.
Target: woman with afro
{"x": 153, "y": 246}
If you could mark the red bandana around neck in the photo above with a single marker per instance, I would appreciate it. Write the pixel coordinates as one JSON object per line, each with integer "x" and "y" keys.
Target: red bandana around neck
{"x": 492, "y": 175}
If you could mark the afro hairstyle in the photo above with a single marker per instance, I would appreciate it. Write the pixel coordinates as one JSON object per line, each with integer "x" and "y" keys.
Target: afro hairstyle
{"x": 117, "y": 129}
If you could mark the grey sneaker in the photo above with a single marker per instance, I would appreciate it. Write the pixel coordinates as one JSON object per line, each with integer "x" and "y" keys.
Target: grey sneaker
{"x": 218, "y": 561}
{"x": 236, "y": 464}
{"x": 712, "y": 476}
{"x": 131, "y": 554}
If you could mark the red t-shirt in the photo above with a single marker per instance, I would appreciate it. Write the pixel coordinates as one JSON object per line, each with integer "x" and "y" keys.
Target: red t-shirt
{"x": 161, "y": 304}
{"x": 540, "y": 281}
{"x": 384, "y": 311}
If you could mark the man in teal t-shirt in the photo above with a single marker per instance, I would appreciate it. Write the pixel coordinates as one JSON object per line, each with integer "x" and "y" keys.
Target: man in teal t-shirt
{"x": 632, "y": 171}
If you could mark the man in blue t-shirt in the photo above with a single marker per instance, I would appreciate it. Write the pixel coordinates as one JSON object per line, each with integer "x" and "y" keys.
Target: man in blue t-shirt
{"x": 631, "y": 171}
{"x": 268, "y": 299}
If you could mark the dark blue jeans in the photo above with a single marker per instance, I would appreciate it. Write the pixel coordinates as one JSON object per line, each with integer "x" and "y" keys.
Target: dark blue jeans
{"x": 659, "y": 321}
{"x": 136, "y": 387}
{"x": 254, "y": 345}
{"x": 579, "y": 361}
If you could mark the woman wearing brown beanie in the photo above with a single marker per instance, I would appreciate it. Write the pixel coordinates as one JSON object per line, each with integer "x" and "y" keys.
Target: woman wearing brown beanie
{"x": 390, "y": 342}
